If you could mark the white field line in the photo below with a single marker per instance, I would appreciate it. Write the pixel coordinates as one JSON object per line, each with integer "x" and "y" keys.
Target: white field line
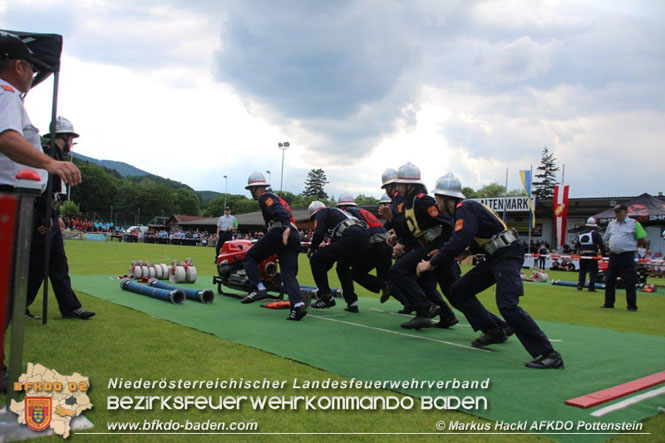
{"x": 458, "y": 324}
{"x": 630, "y": 401}
{"x": 400, "y": 333}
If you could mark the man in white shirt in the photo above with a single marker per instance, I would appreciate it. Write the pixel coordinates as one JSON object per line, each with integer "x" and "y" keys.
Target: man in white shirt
{"x": 225, "y": 227}
{"x": 20, "y": 145}
{"x": 622, "y": 237}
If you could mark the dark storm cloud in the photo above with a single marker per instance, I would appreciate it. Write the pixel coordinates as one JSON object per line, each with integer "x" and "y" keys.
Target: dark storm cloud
{"x": 323, "y": 62}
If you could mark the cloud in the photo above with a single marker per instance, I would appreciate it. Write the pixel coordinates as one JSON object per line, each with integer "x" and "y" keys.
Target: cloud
{"x": 512, "y": 62}
{"x": 468, "y": 87}
{"x": 314, "y": 62}
{"x": 148, "y": 34}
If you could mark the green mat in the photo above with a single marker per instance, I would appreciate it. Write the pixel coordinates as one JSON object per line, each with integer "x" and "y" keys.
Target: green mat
{"x": 372, "y": 346}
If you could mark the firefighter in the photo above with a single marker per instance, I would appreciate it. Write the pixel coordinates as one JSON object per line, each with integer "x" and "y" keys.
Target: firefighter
{"x": 349, "y": 242}
{"x": 428, "y": 227}
{"x": 379, "y": 254}
{"x": 478, "y": 227}
{"x": 282, "y": 239}
{"x": 48, "y": 229}
{"x": 384, "y": 202}
{"x": 399, "y": 237}
{"x": 589, "y": 242}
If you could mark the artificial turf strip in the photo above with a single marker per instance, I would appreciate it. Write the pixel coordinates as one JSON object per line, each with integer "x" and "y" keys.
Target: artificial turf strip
{"x": 372, "y": 346}
{"x": 609, "y": 394}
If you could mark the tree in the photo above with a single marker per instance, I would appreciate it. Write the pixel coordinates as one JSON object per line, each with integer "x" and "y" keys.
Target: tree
{"x": 97, "y": 191}
{"x": 239, "y": 204}
{"x": 492, "y": 190}
{"x": 186, "y": 202}
{"x": 69, "y": 209}
{"x": 468, "y": 192}
{"x": 286, "y": 195}
{"x": 365, "y": 200}
{"x": 544, "y": 187}
{"x": 316, "y": 180}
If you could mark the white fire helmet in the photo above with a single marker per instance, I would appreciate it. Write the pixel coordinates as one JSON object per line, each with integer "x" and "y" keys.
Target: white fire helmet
{"x": 63, "y": 126}
{"x": 389, "y": 176}
{"x": 449, "y": 185}
{"x": 256, "y": 179}
{"x": 409, "y": 174}
{"x": 591, "y": 222}
{"x": 346, "y": 199}
{"x": 385, "y": 198}
{"x": 314, "y": 207}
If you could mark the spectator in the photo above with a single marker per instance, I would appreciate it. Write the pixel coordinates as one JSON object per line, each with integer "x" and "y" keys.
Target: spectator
{"x": 225, "y": 227}
{"x": 623, "y": 236}
{"x": 568, "y": 265}
{"x": 542, "y": 252}
{"x": 556, "y": 266}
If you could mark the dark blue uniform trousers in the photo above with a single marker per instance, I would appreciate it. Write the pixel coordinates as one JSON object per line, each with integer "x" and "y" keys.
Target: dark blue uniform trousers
{"x": 591, "y": 266}
{"x": 347, "y": 251}
{"x": 502, "y": 268}
{"x": 379, "y": 257}
{"x": 270, "y": 244}
{"x": 623, "y": 264}
{"x": 418, "y": 292}
{"x": 58, "y": 270}
{"x": 446, "y": 275}
{"x": 223, "y": 238}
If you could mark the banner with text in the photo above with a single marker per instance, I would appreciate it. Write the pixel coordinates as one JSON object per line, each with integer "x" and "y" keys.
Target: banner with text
{"x": 511, "y": 204}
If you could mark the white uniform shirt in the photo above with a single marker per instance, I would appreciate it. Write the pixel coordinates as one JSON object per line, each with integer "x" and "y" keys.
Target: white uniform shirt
{"x": 14, "y": 117}
{"x": 620, "y": 236}
{"x": 226, "y": 223}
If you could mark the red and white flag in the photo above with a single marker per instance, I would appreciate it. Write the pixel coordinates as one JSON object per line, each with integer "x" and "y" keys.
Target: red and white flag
{"x": 560, "y": 207}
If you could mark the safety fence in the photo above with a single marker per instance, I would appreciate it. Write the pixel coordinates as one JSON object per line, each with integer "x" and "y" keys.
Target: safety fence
{"x": 531, "y": 260}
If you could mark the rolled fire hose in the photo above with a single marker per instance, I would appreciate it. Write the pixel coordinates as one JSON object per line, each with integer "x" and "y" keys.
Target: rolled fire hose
{"x": 177, "y": 273}
{"x": 175, "y": 296}
{"x": 204, "y": 296}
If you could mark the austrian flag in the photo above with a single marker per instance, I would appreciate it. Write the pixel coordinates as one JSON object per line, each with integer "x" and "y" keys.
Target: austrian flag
{"x": 560, "y": 207}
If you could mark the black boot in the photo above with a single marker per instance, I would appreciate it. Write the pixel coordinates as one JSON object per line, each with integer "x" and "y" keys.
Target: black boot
{"x": 417, "y": 323}
{"x": 490, "y": 337}
{"x": 549, "y": 360}
{"x": 259, "y": 294}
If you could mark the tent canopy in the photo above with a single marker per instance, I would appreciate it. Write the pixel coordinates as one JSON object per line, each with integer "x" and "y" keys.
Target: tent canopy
{"x": 646, "y": 209}
{"x": 45, "y": 47}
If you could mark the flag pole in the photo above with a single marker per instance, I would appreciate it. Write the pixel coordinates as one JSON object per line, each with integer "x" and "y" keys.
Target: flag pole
{"x": 505, "y": 198}
{"x": 528, "y": 195}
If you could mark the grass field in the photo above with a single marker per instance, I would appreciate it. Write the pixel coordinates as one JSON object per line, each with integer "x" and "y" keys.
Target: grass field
{"x": 121, "y": 342}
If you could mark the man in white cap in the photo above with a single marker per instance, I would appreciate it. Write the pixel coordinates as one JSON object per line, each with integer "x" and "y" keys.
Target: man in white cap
{"x": 589, "y": 242}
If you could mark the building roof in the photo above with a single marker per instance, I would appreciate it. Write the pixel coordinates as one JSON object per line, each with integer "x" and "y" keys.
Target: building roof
{"x": 250, "y": 219}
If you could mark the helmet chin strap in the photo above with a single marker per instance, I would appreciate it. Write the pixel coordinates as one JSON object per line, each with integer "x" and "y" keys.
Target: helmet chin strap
{"x": 65, "y": 139}
{"x": 446, "y": 207}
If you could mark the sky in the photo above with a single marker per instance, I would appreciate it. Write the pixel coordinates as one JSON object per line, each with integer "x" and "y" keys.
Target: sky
{"x": 195, "y": 90}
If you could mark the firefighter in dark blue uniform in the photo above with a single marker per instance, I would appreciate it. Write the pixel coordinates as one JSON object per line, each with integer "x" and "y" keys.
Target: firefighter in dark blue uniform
{"x": 399, "y": 237}
{"x": 349, "y": 242}
{"x": 379, "y": 254}
{"x": 589, "y": 242}
{"x": 282, "y": 239}
{"x": 428, "y": 226}
{"x": 48, "y": 228}
{"x": 478, "y": 226}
